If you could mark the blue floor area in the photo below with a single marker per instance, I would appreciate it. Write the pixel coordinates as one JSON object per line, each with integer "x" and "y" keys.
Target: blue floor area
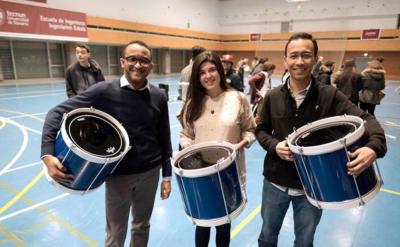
{"x": 36, "y": 213}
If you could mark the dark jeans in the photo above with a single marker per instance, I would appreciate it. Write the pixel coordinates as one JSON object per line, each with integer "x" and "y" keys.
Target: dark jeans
{"x": 221, "y": 240}
{"x": 275, "y": 204}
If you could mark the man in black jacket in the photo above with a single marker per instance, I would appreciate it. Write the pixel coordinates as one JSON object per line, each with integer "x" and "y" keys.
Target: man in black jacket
{"x": 83, "y": 73}
{"x": 143, "y": 110}
{"x": 299, "y": 101}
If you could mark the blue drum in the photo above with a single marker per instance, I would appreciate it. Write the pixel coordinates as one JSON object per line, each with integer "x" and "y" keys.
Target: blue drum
{"x": 90, "y": 145}
{"x": 208, "y": 179}
{"x": 320, "y": 153}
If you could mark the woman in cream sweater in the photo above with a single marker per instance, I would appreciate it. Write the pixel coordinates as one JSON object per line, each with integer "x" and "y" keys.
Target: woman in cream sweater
{"x": 215, "y": 112}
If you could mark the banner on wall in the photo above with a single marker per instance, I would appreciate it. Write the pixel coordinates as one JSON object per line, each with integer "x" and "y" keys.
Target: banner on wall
{"x": 32, "y": 22}
{"x": 255, "y": 37}
{"x": 371, "y": 34}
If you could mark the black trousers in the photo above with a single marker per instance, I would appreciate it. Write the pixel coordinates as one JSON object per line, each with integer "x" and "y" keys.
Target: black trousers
{"x": 222, "y": 239}
{"x": 370, "y": 108}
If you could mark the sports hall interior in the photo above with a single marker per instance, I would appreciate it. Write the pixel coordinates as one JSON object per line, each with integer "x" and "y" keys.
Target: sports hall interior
{"x": 35, "y": 213}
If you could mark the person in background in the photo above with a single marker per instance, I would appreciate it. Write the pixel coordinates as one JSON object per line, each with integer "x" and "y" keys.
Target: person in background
{"x": 212, "y": 101}
{"x": 269, "y": 69}
{"x": 187, "y": 71}
{"x": 299, "y": 101}
{"x": 258, "y": 67}
{"x": 232, "y": 78}
{"x": 349, "y": 82}
{"x": 142, "y": 108}
{"x": 380, "y": 59}
{"x": 285, "y": 76}
{"x": 83, "y": 73}
{"x": 260, "y": 83}
{"x": 336, "y": 74}
{"x": 325, "y": 72}
{"x": 374, "y": 82}
{"x": 317, "y": 66}
{"x": 254, "y": 63}
{"x": 243, "y": 66}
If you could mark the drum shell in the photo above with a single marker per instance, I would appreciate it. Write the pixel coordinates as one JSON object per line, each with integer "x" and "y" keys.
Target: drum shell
{"x": 322, "y": 168}
{"x": 205, "y": 191}
{"x": 205, "y": 196}
{"x": 83, "y": 171}
{"x": 329, "y": 178}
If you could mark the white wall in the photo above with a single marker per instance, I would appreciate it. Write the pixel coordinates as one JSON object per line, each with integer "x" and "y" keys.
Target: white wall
{"x": 202, "y": 15}
{"x": 315, "y": 15}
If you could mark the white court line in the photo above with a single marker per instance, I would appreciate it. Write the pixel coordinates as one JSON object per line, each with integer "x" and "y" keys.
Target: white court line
{"x": 33, "y": 207}
{"x": 26, "y": 116}
{"x": 23, "y": 167}
{"x": 391, "y": 137}
{"x": 389, "y": 123}
{"x": 32, "y": 96}
{"x": 30, "y": 92}
{"x": 22, "y": 148}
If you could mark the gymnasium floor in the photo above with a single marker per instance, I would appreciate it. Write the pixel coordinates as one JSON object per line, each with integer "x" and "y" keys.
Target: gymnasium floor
{"x": 35, "y": 213}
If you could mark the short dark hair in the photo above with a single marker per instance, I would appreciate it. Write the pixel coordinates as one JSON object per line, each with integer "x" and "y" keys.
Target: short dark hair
{"x": 196, "y": 50}
{"x": 302, "y": 35}
{"x": 329, "y": 63}
{"x": 380, "y": 59}
{"x": 137, "y": 42}
{"x": 269, "y": 66}
{"x": 84, "y": 46}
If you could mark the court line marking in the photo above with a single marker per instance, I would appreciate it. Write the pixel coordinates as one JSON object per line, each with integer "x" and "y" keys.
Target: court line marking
{"x": 32, "y": 96}
{"x": 2, "y": 123}
{"x": 30, "y": 115}
{"x": 11, "y": 237}
{"x": 391, "y": 136}
{"x": 31, "y": 92}
{"x": 397, "y": 193}
{"x": 34, "y": 206}
{"x": 23, "y": 167}
{"x": 245, "y": 221}
{"x": 90, "y": 242}
{"x": 22, "y": 192}
{"x": 23, "y": 114}
{"x": 22, "y": 148}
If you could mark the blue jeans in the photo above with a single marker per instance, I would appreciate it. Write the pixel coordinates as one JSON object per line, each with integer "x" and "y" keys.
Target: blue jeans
{"x": 275, "y": 204}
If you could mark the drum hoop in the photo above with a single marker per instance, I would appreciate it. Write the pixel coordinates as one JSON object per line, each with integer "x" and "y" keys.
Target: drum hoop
{"x": 87, "y": 155}
{"x": 194, "y": 173}
{"x": 349, "y": 139}
{"x": 63, "y": 187}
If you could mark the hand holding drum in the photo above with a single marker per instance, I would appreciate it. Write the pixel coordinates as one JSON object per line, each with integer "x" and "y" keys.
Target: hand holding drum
{"x": 56, "y": 170}
{"x": 283, "y": 151}
{"x": 361, "y": 159}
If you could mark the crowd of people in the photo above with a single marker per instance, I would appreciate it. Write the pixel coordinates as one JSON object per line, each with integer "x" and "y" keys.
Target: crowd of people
{"x": 215, "y": 94}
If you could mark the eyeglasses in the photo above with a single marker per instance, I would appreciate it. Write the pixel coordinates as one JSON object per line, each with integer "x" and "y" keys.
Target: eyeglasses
{"x": 141, "y": 60}
{"x": 304, "y": 55}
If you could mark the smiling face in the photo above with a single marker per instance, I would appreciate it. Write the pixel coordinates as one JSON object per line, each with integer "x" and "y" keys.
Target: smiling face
{"x": 210, "y": 78}
{"x": 299, "y": 60}
{"x": 136, "y": 64}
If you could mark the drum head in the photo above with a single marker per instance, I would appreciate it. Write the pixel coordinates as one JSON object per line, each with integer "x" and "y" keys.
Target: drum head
{"x": 204, "y": 157}
{"x": 94, "y": 134}
{"x": 325, "y": 134}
